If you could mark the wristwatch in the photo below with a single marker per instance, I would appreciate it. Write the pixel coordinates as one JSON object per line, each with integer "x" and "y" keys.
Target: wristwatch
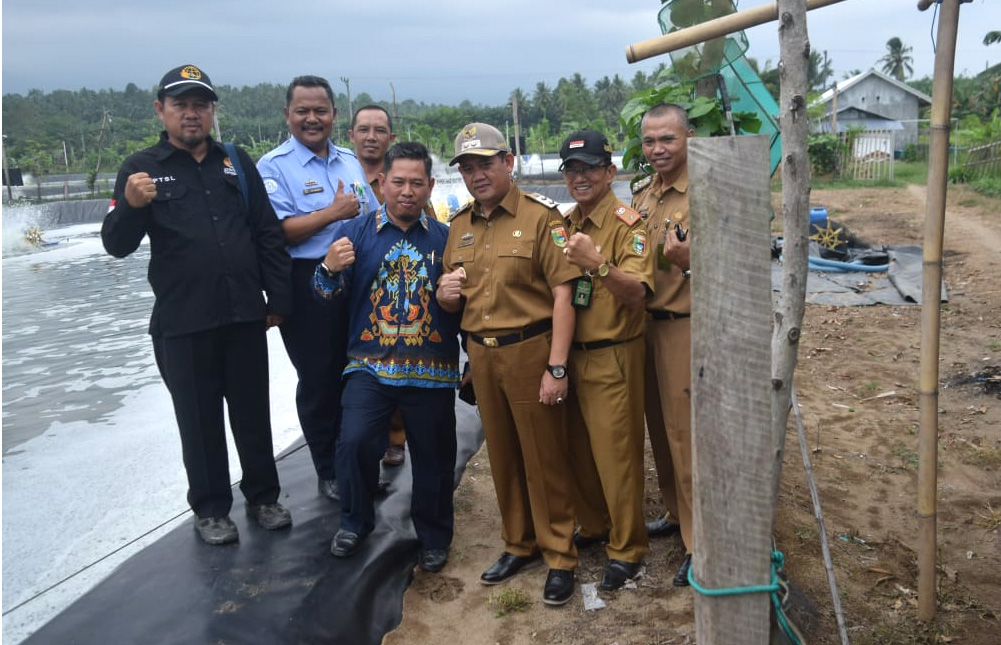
{"x": 327, "y": 273}
{"x": 557, "y": 371}
{"x": 602, "y": 269}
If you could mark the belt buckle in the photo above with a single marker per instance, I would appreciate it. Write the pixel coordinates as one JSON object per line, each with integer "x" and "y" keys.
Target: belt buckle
{"x": 489, "y": 341}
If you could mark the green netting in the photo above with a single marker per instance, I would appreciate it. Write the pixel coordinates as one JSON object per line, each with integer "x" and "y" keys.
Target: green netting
{"x": 724, "y": 56}
{"x": 703, "y": 59}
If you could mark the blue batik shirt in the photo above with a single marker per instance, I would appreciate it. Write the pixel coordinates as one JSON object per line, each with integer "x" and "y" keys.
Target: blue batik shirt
{"x": 298, "y": 183}
{"x": 396, "y": 330}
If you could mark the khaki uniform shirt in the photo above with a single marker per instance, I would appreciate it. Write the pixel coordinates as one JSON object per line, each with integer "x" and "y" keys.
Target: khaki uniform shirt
{"x": 512, "y": 260}
{"x": 664, "y": 206}
{"x": 620, "y": 235}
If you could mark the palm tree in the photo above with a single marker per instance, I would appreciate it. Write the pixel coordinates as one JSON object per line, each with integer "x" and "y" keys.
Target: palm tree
{"x": 992, "y": 37}
{"x": 898, "y": 60}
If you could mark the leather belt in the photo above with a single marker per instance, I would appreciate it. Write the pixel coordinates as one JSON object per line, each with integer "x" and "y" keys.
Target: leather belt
{"x": 667, "y": 315}
{"x": 600, "y": 344}
{"x": 510, "y": 339}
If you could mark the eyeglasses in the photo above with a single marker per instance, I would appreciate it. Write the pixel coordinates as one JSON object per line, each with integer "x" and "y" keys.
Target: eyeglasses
{"x": 581, "y": 170}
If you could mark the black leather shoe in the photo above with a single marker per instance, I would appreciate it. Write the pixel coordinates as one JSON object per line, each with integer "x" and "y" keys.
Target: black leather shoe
{"x": 345, "y": 543}
{"x": 584, "y": 541}
{"x": 617, "y": 573}
{"x": 507, "y": 566}
{"x": 329, "y": 489}
{"x": 433, "y": 560}
{"x": 559, "y": 587}
{"x": 662, "y": 527}
{"x": 681, "y": 580}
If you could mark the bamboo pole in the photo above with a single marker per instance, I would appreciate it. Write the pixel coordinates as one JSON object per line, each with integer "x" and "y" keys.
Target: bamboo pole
{"x": 711, "y": 29}
{"x": 938, "y": 171}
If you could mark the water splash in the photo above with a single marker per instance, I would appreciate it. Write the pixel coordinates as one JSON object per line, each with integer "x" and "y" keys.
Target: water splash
{"x": 24, "y": 228}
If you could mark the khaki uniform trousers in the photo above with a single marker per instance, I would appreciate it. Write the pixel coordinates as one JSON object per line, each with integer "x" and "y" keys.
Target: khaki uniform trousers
{"x": 669, "y": 415}
{"x": 605, "y": 428}
{"x": 527, "y": 444}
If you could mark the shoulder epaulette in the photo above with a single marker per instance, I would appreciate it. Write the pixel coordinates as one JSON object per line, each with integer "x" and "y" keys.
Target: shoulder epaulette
{"x": 641, "y": 184}
{"x": 542, "y": 199}
{"x": 460, "y": 211}
{"x": 627, "y": 215}
{"x": 347, "y": 151}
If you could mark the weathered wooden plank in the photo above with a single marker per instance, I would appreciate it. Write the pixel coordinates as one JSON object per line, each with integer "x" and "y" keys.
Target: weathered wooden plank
{"x": 732, "y": 444}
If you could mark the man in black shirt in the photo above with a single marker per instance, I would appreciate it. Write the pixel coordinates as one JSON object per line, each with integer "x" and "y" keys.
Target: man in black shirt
{"x": 213, "y": 251}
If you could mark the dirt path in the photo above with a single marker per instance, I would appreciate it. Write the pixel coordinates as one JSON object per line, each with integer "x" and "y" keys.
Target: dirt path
{"x": 865, "y": 462}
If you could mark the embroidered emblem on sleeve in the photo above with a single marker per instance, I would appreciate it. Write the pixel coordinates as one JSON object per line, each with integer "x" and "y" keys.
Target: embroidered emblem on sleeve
{"x": 559, "y": 236}
{"x": 639, "y": 243}
{"x": 271, "y": 186}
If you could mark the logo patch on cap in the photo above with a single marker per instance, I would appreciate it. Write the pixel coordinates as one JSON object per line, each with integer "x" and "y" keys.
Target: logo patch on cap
{"x": 579, "y": 143}
{"x": 191, "y": 73}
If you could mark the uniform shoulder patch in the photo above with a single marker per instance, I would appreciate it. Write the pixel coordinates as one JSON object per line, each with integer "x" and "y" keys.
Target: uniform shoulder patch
{"x": 542, "y": 199}
{"x": 638, "y": 186}
{"x": 627, "y": 215}
{"x": 462, "y": 210}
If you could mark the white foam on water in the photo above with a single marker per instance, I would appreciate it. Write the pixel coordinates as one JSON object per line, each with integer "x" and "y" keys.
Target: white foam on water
{"x": 84, "y": 496}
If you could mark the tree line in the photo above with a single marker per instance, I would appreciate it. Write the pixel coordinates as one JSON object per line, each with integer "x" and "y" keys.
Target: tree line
{"x": 77, "y": 131}
{"x": 88, "y": 131}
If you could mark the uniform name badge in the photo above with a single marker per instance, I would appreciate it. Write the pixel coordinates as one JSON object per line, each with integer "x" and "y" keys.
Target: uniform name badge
{"x": 582, "y": 292}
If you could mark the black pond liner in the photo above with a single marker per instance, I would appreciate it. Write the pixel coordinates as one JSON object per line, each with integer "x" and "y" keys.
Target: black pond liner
{"x": 272, "y": 587}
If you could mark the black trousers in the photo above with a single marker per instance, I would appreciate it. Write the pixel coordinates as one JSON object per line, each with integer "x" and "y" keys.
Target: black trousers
{"x": 202, "y": 370}
{"x": 315, "y": 338}
{"x": 429, "y": 416}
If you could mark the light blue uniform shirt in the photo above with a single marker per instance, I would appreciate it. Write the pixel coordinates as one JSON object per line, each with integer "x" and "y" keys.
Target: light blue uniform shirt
{"x": 298, "y": 183}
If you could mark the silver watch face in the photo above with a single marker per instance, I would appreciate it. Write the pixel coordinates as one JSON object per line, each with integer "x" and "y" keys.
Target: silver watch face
{"x": 558, "y": 371}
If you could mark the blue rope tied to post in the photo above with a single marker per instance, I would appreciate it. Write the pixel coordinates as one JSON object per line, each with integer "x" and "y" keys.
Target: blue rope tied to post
{"x": 778, "y": 560}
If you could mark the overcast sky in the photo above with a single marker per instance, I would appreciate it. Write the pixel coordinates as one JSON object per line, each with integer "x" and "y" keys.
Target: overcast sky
{"x": 441, "y": 51}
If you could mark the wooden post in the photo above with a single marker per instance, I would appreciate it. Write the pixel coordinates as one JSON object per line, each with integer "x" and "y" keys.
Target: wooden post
{"x": 938, "y": 175}
{"x": 731, "y": 373}
{"x": 794, "y": 52}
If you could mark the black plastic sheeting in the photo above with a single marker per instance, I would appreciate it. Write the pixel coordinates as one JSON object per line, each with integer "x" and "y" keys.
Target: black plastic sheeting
{"x": 272, "y": 587}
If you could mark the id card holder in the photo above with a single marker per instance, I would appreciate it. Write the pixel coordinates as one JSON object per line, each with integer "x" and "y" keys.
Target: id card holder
{"x": 582, "y": 291}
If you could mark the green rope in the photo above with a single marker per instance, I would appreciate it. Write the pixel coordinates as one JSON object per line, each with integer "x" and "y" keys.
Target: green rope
{"x": 778, "y": 560}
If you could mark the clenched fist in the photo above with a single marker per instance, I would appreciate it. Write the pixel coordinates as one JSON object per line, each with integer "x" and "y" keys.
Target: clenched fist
{"x": 340, "y": 255}
{"x": 139, "y": 190}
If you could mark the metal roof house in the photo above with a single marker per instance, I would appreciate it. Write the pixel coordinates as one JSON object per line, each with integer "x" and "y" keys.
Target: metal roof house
{"x": 874, "y": 101}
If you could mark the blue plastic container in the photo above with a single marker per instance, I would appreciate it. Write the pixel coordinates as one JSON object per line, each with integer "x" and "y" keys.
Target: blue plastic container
{"x": 818, "y": 217}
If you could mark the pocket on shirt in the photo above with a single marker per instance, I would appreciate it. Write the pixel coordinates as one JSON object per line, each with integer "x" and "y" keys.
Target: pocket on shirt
{"x": 514, "y": 261}
{"x": 169, "y": 203}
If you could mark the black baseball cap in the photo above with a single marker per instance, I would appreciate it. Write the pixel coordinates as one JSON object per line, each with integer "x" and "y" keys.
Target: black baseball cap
{"x": 589, "y": 146}
{"x": 186, "y": 78}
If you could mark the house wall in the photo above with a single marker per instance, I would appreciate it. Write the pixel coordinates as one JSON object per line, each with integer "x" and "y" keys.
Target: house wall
{"x": 875, "y": 95}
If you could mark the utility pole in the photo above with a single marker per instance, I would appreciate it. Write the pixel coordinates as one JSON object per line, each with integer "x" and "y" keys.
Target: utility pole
{"x": 517, "y": 134}
{"x": 396, "y": 114}
{"x": 6, "y": 168}
{"x": 347, "y": 84}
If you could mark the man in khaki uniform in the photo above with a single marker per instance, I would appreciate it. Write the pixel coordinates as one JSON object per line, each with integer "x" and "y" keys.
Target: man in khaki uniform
{"x": 504, "y": 269}
{"x": 609, "y": 243}
{"x": 663, "y": 201}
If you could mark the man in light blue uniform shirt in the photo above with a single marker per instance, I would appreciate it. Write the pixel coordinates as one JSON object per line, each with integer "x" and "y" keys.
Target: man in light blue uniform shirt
{"x": 312, "y": 185}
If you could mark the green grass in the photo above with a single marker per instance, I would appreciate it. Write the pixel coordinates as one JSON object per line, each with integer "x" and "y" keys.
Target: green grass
{"x": 509, "y": 601}
{"x": 904, "y": 173}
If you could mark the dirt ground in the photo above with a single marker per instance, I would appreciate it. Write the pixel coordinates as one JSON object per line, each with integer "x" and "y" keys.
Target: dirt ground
{"x": 857, "y": 385}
